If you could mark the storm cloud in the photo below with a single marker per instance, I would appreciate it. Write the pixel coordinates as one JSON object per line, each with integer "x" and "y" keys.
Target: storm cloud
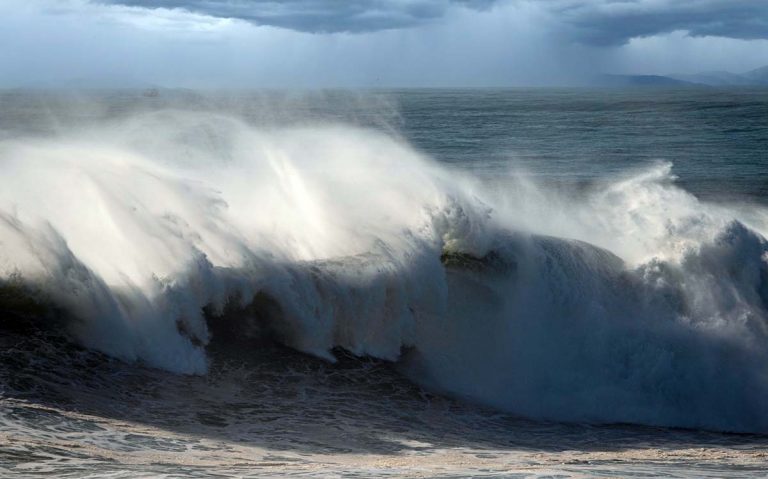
{"x": 319, "y": 16}
{"x": 595, "y": 22}
{"x": 371, "y": 43}
{"x": 612, "y": 22}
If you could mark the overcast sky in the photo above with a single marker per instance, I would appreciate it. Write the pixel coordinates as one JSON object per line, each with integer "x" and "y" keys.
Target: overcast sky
{"x": 371, "y": 43}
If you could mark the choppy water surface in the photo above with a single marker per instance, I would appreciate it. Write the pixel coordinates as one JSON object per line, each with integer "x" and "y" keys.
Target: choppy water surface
{"x": 504, "y": 279}
{"x": 68, "y": 412}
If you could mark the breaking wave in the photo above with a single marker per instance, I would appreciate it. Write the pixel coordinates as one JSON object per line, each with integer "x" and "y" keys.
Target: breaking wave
{"x": 150, "y": 236}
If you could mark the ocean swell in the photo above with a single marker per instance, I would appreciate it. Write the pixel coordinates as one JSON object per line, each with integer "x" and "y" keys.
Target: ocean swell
{"x": 631, "y": 302}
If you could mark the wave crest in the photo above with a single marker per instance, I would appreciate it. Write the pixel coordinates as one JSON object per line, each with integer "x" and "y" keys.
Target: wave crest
{"x": 147, "y": 232}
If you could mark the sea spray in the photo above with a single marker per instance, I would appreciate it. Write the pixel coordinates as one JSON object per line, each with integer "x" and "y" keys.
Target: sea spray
{"x": 633, "y": 302}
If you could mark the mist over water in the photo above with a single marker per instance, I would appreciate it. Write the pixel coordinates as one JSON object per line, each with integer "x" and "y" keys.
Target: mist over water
{"x": 146, "y": 225}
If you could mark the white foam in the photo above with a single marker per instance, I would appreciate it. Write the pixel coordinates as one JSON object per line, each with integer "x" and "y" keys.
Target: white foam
{"x": 134, "y": 226}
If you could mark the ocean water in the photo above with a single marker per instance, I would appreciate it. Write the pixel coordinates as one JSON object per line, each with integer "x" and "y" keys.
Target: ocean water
{"x": 406, "y": 283}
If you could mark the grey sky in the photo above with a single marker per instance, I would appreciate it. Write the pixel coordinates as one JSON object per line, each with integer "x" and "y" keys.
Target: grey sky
{"x": 611, "y": 22}
{"x": 326, "y": 43}
{"x": 603, "y": 22}
{"x": 319, "y": 16}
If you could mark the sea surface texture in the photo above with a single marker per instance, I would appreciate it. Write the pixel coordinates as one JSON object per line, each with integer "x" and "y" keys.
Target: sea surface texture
{"x": 404, "y": 283}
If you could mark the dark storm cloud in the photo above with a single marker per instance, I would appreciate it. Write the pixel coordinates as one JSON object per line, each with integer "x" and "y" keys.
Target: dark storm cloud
{"x": 614, "y": 22}
{"x": 594, "y": 22}
{"x": 318, "y": 16}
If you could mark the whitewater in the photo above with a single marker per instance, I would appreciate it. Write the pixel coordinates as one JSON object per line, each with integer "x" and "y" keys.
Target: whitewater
{"x": 402, "y": 284}
{"x": 156, "y": 237}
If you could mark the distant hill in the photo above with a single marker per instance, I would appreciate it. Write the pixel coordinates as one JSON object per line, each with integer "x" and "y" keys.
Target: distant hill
{"x": 640, "y": 81}
{"x": 714, "y": 78}
{"x": 755, "y": 77}
{"x": 758, "y": 75}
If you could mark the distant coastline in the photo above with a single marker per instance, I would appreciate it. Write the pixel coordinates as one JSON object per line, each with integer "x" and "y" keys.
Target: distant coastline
{"x": 756, "y": 77}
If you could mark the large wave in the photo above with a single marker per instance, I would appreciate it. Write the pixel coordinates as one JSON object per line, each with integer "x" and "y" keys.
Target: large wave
{"x": 629, "y": 302}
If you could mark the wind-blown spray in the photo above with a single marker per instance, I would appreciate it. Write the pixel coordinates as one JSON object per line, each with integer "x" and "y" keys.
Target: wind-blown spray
{"x": 634, "y": 302}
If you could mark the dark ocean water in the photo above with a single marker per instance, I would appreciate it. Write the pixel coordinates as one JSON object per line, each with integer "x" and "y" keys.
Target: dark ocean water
{"x": 123, "y": 215}
{"x": 717, "y": 139}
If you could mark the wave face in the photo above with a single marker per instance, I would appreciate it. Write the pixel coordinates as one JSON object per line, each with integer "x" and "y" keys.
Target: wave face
{"x": 630, "y": 302}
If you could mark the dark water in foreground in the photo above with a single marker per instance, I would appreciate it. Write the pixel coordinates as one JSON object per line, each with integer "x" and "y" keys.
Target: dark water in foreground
{"x": 266, "y": 410}
{"x": 68, "y": 412}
